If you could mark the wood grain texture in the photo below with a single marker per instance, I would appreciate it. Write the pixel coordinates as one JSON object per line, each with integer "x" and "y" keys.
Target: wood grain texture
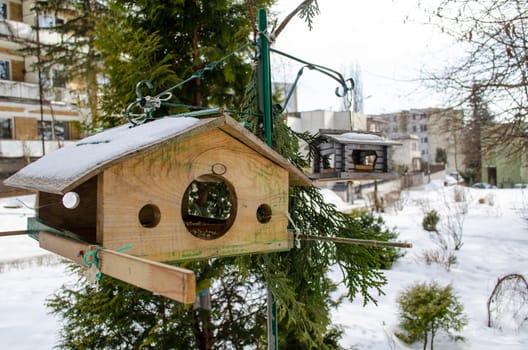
{"x": 65, "y": 247}
{"x": 161, "y": 178}
{"x": 81, "y": 220}
{"x": 170, "y": 281}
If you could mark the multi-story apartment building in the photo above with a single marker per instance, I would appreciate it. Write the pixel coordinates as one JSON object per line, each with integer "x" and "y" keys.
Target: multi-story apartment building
{"x": 38, "y": 112}
{"x": 435, "y": 129}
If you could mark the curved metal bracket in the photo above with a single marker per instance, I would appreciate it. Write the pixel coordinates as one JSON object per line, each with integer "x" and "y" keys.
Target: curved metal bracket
{"x": 146, "y": 104}
{"x": 142, "y": 109}
{"x": 346, "y": 85}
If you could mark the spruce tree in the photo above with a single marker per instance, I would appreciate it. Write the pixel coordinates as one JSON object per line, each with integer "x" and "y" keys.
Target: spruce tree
{"x": 166, "y": 43}
{"x": 74, "y": 55}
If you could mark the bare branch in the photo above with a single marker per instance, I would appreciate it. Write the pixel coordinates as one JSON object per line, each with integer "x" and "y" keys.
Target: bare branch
{"x": 308, "y": 8}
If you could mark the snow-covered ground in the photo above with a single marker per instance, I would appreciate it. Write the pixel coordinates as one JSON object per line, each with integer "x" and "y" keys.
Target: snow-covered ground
{"x": 495, "y": 243}
{"x": 28, "y": 275}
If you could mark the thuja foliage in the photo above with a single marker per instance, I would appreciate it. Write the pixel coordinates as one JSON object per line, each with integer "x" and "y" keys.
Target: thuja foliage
{"x": 426, "y": 309}
{"x": 119, "y": 316}
{"x": 166, "y": 42}
{"x": 123, "y": 317}
{"x": 375, "y": 227}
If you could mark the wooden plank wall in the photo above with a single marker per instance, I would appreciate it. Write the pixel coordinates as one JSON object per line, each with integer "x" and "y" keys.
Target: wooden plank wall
{"x": 80, "y": 220}
{"x": 335, "y": 149}
{"x": 381, "y": 152}
{"x": 160, "y": 179}
{"x": 343, "y": 160}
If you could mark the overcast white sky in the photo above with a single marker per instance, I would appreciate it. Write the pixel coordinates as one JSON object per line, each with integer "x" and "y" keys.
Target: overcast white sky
{"x": 373, "y": 34}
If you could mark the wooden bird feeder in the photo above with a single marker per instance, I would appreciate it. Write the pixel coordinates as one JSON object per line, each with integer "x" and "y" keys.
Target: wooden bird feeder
{"x": 172, "y": 189}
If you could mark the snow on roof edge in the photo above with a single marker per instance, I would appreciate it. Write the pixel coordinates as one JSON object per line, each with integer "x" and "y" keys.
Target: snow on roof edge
{"x": 58, "y": 170}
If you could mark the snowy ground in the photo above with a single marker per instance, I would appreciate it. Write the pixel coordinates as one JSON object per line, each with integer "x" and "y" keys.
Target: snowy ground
{"x": 495, "y": 242}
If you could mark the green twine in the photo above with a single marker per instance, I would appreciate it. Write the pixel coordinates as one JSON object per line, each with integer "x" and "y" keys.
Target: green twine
{"x": 91, "y": 259}
{"x": 125, "y": 248}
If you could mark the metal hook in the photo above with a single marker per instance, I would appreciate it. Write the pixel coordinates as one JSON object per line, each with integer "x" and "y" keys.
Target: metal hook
{"x": 138, "y": 88}
{"x": 347, "y": 85}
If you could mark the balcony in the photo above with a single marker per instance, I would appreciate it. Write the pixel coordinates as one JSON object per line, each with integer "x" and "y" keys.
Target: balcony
{"x": 18, "y": 31}
{"x": 30, "y": 91}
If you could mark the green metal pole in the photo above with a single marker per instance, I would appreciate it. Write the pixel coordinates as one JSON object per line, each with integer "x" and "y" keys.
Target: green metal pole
{"x": 264, "y": 93}
{"x": 264, "y": 75}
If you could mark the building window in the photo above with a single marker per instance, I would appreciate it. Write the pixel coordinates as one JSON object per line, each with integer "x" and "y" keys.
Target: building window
{"x": 5, "y": 128}
{"x": 414, "y": 128}
{"x": 54, "y": 78}
{"x": 423, "y": 127}
{"x": 3, "y": 10}
{"x": 60, "y": 130}
{"x": 414, "y": 146}
{"x": 4, "y": 70}
{"x": 48, "y": 21}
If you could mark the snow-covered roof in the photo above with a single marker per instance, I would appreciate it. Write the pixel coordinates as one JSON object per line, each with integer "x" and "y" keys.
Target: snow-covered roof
{"x": 68, "y": 167}
{"x": 361, "y": 138}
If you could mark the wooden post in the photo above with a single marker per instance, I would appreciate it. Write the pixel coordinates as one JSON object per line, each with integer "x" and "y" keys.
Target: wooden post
{"x": 170, "y": 281}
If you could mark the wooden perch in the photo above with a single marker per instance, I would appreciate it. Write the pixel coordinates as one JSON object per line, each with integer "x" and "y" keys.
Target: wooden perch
{"x": 12, "y": 233}
{"x": 170, "y": 281}
{"x": 365, "y": 242}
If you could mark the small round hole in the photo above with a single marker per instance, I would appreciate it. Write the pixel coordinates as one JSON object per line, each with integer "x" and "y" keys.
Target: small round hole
{"x": 264, "y": 213}
{"x": 149, "y": 216}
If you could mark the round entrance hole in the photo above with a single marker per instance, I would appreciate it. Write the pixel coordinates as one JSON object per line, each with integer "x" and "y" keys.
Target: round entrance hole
{"x": 149, "y": 216}
{"x": 209, "y": 207}
{"x": 264, "y": 213}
